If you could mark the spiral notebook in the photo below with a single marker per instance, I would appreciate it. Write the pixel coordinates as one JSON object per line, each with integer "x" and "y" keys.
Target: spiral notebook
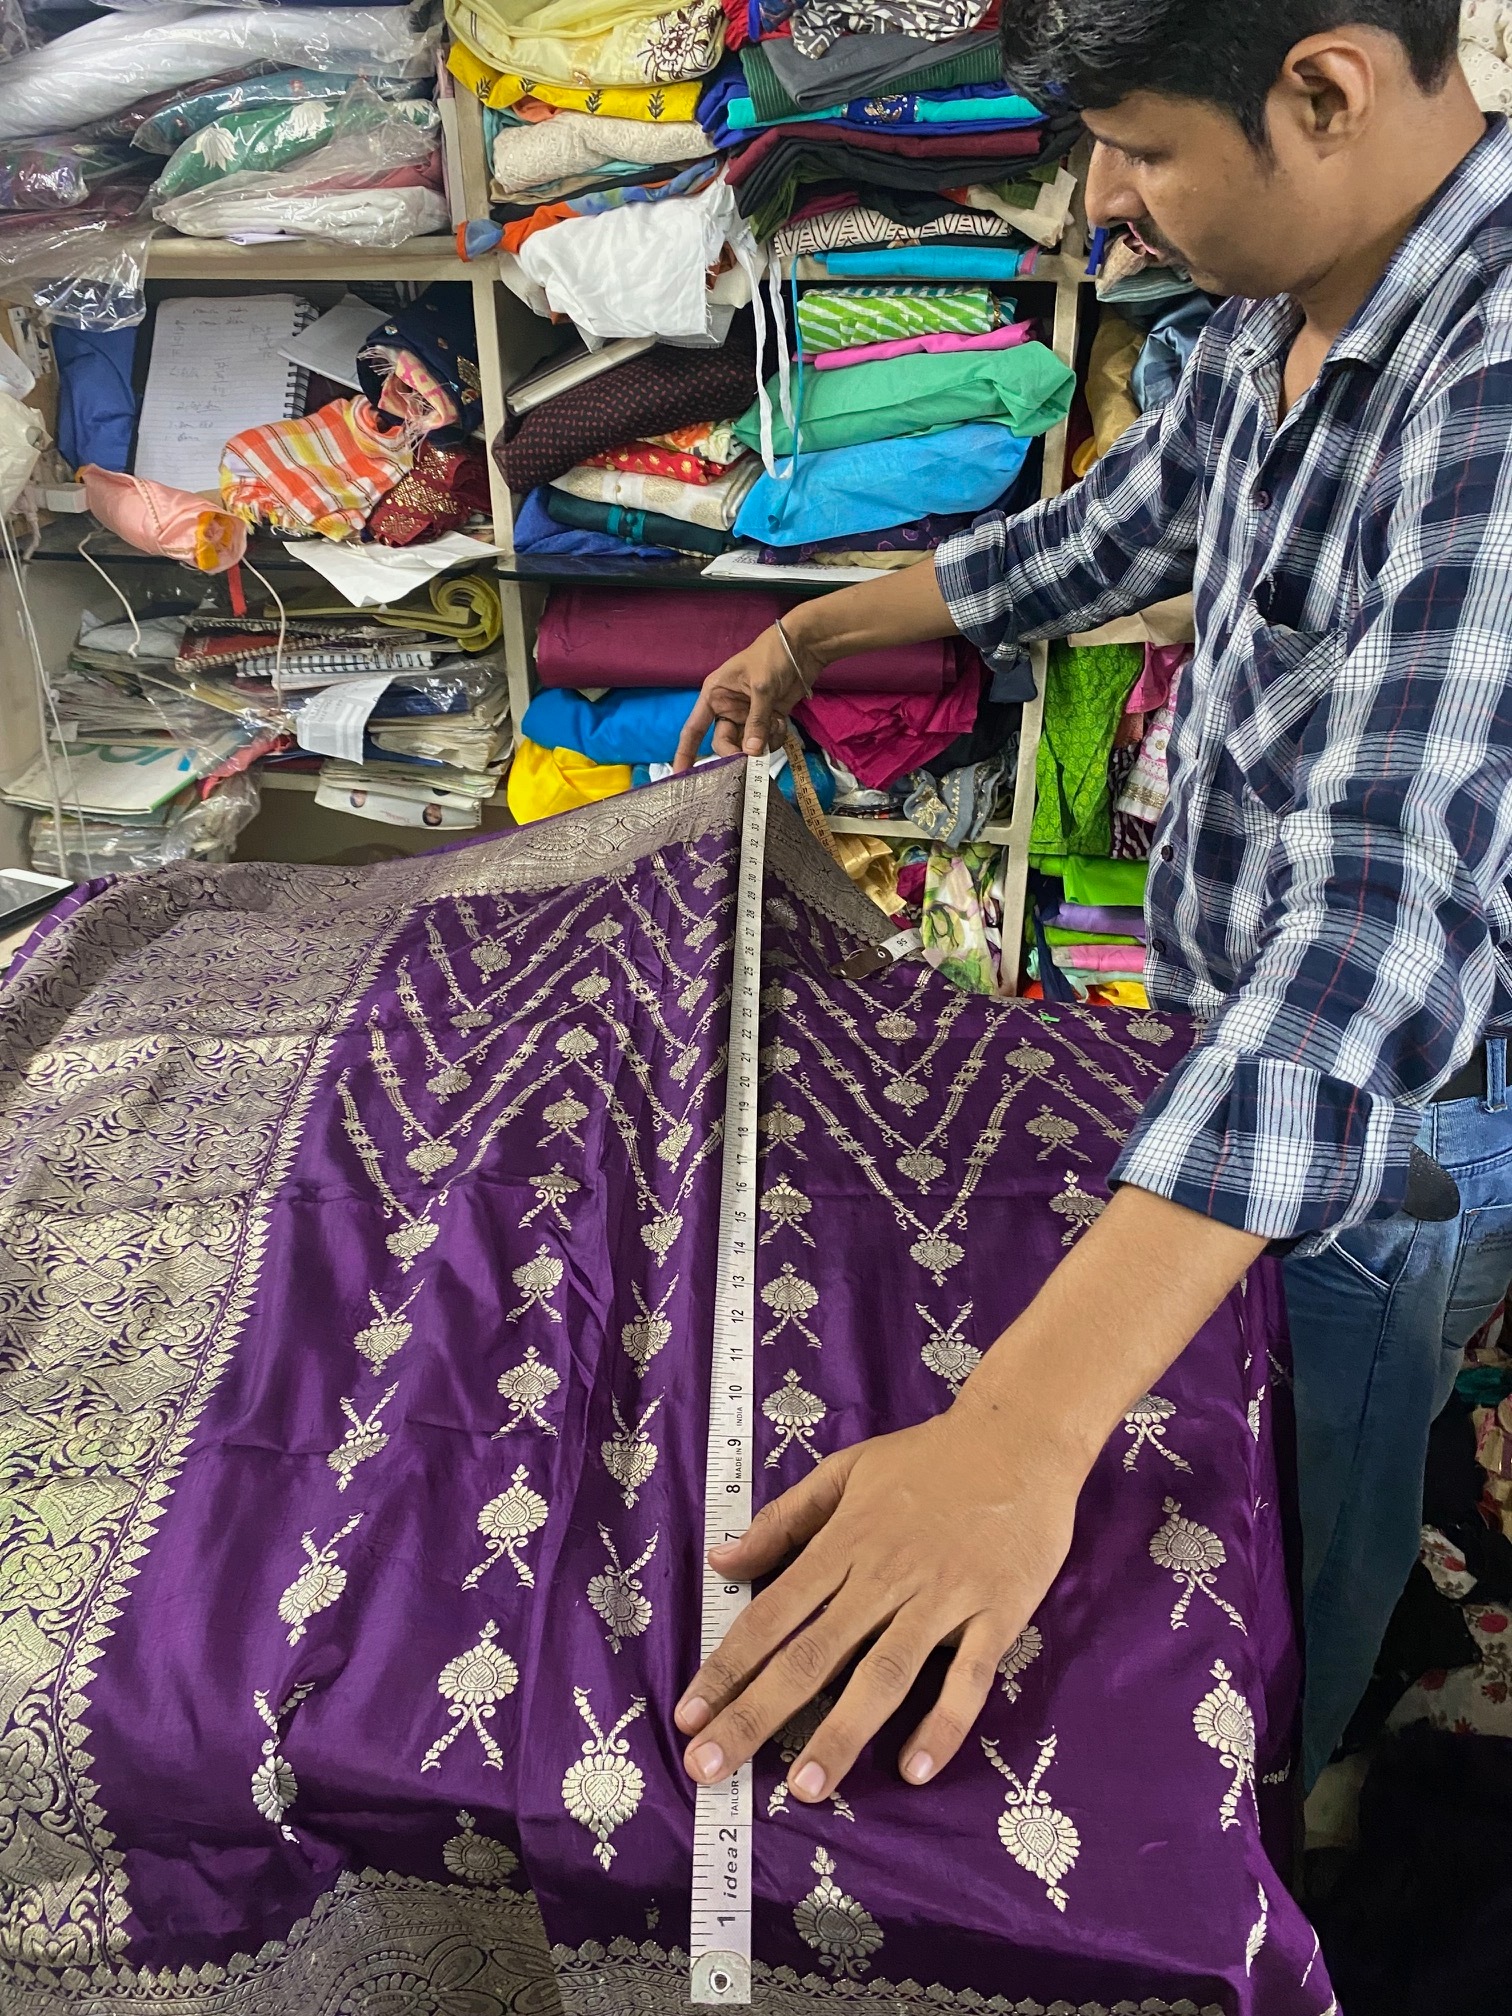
{"x": 216, "y": 367}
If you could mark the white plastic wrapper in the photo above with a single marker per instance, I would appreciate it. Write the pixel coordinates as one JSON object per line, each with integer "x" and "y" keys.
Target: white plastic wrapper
{"x": 14, "y": 35}
{"x": 98, "y": 70}
{"x": 90, "y": 275}
{"x": 204, "y": 830}
{"x": 332, "y": 194}
{"x": 22, "y": 439}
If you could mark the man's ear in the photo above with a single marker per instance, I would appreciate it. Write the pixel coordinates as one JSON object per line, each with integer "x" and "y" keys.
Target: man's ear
{"x": 1329, "y": 88}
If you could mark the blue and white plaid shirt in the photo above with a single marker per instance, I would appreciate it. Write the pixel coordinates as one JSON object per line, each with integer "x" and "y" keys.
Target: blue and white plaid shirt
{"x": 1329, "y": 890}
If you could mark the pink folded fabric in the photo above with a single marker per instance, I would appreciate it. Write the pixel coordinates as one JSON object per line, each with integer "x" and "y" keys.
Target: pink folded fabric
{"x": 1006, "y": 338}
{"x": 1127, "y": 959}
{"x": 676, "y": 638}
{"x": 880, "y": 737}
{"x": 1153, "y": 689}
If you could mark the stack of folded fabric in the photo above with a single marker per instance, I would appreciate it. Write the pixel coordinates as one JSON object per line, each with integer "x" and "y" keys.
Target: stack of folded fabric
{"x": 1152, "y": 315}
{"x": 288, "y": 120}
{"x": 1102, "y": 785}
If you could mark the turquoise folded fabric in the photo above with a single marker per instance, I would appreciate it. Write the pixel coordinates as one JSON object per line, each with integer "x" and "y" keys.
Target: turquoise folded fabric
{"x": 986, "y": 261}
{"x": 1027, "y": 389}
{"x": 845, "y": 491}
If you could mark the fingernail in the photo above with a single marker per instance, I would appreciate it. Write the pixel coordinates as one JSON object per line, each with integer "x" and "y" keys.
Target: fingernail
{"x": 809, "y": 1782}
{"x": 693, "y": 1715}
{"x": 725, "y": 1547}
{"x": 920, "y": 1768}
{"x": 708, "y": 1761}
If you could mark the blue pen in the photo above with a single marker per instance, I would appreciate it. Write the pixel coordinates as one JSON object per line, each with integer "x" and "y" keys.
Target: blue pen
{"x": 1098, "y": 252}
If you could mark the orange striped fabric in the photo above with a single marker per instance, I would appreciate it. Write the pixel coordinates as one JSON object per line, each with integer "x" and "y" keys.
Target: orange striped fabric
{"x": 324, "y": 473}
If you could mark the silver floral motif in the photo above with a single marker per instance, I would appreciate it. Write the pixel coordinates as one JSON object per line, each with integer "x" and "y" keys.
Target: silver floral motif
{"x": 538, "y": 1280}
{"x": 1148, "y": 1029}
{"x": 506, "y": 1523}
{"x": 1019, "y": 1657}
{"x": 552, "y": 1191}
{"x": 474, "y": 1683}
{"x": 1225, "y": 1721}
{"x": 841, "y": 1932}
{"x": 630, "y": 1456}
{"x": 1056, "y": 1132}
{"x": 527, "y": 1387}
{"x": 649, "y": 1332}
{"x": 274, "y": 1786}
{"x": 792, "y": 1739}
{"x": 564, "y": 1116}
{"x": 791, "y": 1299}
{"x": 318, "y": 1584}
{"x": 920, "y": 1167}
{"x": 364, "y": 1437}
{"x": 787, "y": 1207}
{"x": 946, "y": 1352}
{"x": 1253, "y": 1414}
{"x": 476, "y": 1858}
{"x": 617, "y": 1595}
{"x": 905, "y": 1092}
{"x": 1080, "y": 1210}
{"x": 603, "y": 1789}
{"x": 388, "y": 1332}
{"x": 1040, "y": 1839}
{"x": 661, "y": 1235}
{"x": 576, "y": 1044}
{"x": 937, "y": 1255}
{"x": 796, "y": 1413}
{"x": 781, "y": 1126}
{"x": 1194, "y": 1555}
{"x": 1145, "y": 1423}
{"x": 1254, "y": 1944}
{"x": 895, "y": 1026}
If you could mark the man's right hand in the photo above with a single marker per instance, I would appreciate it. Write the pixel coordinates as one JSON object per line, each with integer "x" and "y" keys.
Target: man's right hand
{"x": 747, "y": 701}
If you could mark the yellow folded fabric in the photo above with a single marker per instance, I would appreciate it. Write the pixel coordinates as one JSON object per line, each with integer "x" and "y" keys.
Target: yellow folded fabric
{"x": 592, "y": 42}
{"x": 661, "y": 104}
{"x": 1123, "y": 993}
{"x": 463, "y": 608}
{"x": 546, "y": 781}
{"x": 873, "y": 866}
{"x": 1115, "y": 352}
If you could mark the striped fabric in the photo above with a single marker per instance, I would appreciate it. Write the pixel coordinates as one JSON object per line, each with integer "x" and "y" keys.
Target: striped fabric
{"x": 323, "y": 473}
{"x": 838, "y": 318}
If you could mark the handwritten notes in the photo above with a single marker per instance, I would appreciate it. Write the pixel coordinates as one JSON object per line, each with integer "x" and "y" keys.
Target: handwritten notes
{"x": 216, "y": 368}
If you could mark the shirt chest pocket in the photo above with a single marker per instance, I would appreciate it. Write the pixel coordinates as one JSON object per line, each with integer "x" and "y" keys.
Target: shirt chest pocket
{"x": 1280, "y": 678}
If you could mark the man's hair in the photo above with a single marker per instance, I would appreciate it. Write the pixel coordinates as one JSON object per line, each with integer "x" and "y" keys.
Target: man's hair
{"x": 1227, "y": 53}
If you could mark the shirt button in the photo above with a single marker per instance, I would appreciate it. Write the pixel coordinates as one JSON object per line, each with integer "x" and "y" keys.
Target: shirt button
{"x": 1168, "y": 852}
{"x": 1263, "y": 499}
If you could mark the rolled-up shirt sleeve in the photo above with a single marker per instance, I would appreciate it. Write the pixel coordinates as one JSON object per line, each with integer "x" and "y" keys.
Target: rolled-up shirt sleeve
{"x": 1123, "y": 539}
{"x": 1377, "y": 967}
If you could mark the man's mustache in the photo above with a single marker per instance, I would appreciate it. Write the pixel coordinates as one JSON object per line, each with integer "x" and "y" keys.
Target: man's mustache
{"x": 1148, "y": 239}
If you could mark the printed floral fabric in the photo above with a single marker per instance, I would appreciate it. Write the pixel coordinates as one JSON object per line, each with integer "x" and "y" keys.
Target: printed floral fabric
{"x": 444, "y": 489}
{"x": 358, "y": 1275}
{"x": 819, "y": 24}
{"x": 591, "y": 42}
{"x": 645, "y": 458}
{"x": 501, "y": 89}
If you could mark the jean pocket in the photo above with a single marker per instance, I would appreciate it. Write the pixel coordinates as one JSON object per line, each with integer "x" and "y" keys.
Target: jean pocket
{"x": 1482, "y": 1267}
{"x": 1377, "y": 1254}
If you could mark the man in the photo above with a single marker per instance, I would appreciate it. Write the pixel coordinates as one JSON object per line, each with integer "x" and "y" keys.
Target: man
{"x": 1328, "y": 895}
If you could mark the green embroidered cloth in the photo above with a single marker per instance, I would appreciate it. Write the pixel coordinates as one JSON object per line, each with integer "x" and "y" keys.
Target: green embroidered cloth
{"x": 1085, "y": 694}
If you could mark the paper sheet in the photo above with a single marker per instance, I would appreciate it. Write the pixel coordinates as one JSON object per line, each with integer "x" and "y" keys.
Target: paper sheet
{"x": 334, "y": 721}
{"x": 329, "y": 347}
{"x": 216, "y": 369}
{"x": 371, "y": 575}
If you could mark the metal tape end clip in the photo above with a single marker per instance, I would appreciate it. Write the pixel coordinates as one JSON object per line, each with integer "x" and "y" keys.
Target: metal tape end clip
{"x": 721, "y": 1978}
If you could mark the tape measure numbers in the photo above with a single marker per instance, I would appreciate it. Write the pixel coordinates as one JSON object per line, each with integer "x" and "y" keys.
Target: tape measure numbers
{"x": 720, "y": 1942}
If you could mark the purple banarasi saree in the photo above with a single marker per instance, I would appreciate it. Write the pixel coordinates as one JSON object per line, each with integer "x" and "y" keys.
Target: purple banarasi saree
{"x": 355, "y": 1296}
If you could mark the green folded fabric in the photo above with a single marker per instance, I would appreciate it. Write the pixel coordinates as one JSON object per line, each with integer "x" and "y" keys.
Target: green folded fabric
{"x": 982, "y": 65}
{"x": 1057, "y": 934}
{"x": 267, "y": 136}
{"x": 1085, "y": 692}
{"x": 836, "y": 318}
{"x": 1101, "y": 882}
{"x": 1027, "y": 389}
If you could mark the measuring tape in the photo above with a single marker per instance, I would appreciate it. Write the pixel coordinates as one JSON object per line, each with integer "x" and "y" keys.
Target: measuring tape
{"x": 720, "y": 1942}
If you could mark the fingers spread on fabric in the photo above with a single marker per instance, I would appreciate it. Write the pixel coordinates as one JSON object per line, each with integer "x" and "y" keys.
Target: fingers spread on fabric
{"x": 876, "y": 1690}
{"x": 695, "y": 728}
{"x": 962, "y": 1698}
{"x": 787, "y": 1523}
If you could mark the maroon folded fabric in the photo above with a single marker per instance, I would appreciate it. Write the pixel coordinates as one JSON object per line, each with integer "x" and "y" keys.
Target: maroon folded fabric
{"x": 652, "y": 394}
{"x": 671, "y": 637}
{"x": 997, "y": 144}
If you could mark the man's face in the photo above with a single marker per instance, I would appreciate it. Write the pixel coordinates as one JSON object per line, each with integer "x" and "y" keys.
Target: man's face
{"x": 1184, "y": 174}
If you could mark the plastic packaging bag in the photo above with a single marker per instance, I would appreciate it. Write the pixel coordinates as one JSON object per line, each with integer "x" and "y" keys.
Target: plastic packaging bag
{"x": 374, "y": 189}
{"x": 269, "y": 137}
{"x": 186, "y": 112}
{"x": 89, "y": 272}
{"x": 22, "y": 439}
{"x": 200, "y": 829}
{"x": 101, "y": 68}
{"x": 58, "y": 171}
{"x": 14, "y": 34}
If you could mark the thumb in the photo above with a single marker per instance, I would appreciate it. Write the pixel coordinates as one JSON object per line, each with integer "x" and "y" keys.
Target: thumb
{"x": 786, "y": 1524}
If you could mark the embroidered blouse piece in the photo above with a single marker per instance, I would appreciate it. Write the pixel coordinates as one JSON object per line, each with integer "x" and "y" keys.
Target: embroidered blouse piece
{"x": 357, "y": 1306}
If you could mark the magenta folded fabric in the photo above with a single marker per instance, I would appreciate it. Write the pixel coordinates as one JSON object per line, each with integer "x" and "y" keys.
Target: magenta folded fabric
{"x": 880, "y": 737}
{"x": 672, "y": 637}
{"x": 1007, "y": 338}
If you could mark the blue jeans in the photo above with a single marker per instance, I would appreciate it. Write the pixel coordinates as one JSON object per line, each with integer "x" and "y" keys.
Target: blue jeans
{"x": 1379, "y": 1326}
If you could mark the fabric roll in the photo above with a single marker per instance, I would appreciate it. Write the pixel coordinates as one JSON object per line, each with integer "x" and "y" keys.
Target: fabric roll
{"x": 918, "y": 537}
{"x": 1088, "y": 879}
{"x": 713, "y": 505}
{"x": 782, "y": 79}
{"x": 592, "y": 203}
{"x": 575, "y": 143}
{"x": 839, "y": 318}
{"x": 818, "y": 25}
{"x": 648, "y": 458}
{"x": 674, "y": 638}
{"x": 881, "y": 737}
{"x": 543, "y": 782}
{"x": 1027, "y": 389}
{"x": 638, "y": 529}
{"x": 1125, "y": 921}
{"x": 1085, "y": 693}
{"x": 855, "y": 490}
{"x": 321, "y": 474}
{"x": 666, "y": 388}
{"x": 1007, "y": 338}
{"x": 961, "y": 114}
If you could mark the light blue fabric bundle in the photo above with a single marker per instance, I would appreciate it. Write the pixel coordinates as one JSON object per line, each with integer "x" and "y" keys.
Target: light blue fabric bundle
{"x": 844, "y": 491}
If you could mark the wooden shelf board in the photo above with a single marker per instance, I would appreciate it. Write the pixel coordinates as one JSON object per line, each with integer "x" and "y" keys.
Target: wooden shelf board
{"x": 996, "y": 835}
{"x": 176, "y": 258}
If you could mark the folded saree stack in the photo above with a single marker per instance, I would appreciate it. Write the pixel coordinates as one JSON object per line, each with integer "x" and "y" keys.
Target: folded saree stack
{"x": 358, "y": 1308}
